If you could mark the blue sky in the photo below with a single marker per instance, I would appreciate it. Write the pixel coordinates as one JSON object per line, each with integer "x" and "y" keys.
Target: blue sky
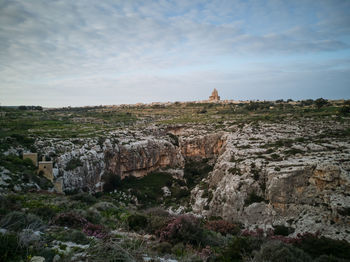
{"x": 86, "y": 52}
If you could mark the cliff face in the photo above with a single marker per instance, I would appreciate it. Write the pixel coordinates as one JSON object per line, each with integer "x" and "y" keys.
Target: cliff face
{"x": 140, "y": 158}
{"x": 272, "y": 176}
{"x": 84, "y": 162}
{"x": 202, "y": 146}
{"x": 264, "y": 175}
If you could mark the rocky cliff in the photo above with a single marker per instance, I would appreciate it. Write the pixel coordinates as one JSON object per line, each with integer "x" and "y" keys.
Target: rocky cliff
{"x": 272, "y": 175}
{"x": 294, "y": 174}
{"x": 81, "y": 163}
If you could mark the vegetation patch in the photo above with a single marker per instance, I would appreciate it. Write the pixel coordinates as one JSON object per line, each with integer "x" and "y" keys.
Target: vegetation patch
{"x": 73, "y": 164}
{"x": 195, "y": 171}
{"x": 253, "y": 198}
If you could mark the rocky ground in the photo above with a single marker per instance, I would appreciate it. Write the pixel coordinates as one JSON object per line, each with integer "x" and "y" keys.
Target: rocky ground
{"x": 234, "y": 189}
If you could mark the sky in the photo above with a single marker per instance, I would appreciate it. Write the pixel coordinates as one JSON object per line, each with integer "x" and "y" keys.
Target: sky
{"x": 88, "y": 52}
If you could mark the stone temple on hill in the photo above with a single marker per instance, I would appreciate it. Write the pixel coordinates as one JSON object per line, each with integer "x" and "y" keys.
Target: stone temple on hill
{"x": 214, "y": 96}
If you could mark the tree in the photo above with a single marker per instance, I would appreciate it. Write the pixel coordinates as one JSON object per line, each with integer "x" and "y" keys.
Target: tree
{"x": 320, "y": 102}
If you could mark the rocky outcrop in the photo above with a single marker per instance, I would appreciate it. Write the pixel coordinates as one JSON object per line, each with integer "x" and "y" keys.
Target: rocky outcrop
{"x": 81, "y": 163}
{"x": 202, "y": 146}
{"x": 264, "y": 174}
{"x": 85, "y": 161}
{"x": 141, "y": 157}
{"x": 271, "y": 176}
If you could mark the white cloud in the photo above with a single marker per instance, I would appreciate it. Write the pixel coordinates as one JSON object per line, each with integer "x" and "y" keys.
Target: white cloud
{"x": 66, "y": 48}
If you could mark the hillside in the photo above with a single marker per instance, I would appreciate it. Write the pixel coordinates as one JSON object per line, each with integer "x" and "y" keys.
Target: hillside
{"x": 228, "y": 181}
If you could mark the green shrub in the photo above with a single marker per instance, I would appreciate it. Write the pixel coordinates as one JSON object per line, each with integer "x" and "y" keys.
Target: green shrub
{"x": 275, "y": 156}
{"x": 253, "y": 198}
{"x": 46, "y": 253}
{"x": 66, "y": 235}
{"x": 84, "y": 197}
{"x": 320, "y": 102}
{"x": 137, "y": 221}
{"x": 45, "y": 212}
{"x": 10, "y": 250}
{"x": 157, "y": 219}
{"x": 184, "y": 228}
{"x": 179, "y": 193}
{"x": 163, "y": 248}
{"x": 110, "y": 250}
{"x": 73, "y": 163}
{"x": 294, "y": 151}
{"x": 195, "y": 171}
{"x": 317, "y": 246}
{"x": 174, "y": 139}
{"x": 17, "y": 221}
{"x": 148, "y": 189}
{"x": 281, "y": 230}
{"x": 235, "y": 250}
{"x": 276, "y": 251}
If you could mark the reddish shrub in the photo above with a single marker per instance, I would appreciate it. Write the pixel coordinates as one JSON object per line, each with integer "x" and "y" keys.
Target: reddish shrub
{"x": 184, "y": 228}
{"x": 223, "y": 227}
{"x": 95, "y": 230}
{"x": 259, "y": 233}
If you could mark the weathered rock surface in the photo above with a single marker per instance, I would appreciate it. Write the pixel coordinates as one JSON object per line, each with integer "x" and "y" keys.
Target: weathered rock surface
{"x": 81, "y": 163}
{"x": 140, "y": 158}
{"x": 295, "y": 174}
{"x": 273, "y": 175}
{"x": 202, "y": 146}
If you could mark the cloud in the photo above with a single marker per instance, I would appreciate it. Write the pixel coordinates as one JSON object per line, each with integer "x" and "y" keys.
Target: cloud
{"x": 68, "y": 47}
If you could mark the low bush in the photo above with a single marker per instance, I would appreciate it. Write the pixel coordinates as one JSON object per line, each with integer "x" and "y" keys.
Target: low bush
{"x": 317, "y": 246}
{"x": 195, "y": 171}
{"x": 163, "y": 248}
{"x": 281, "y": 230}
{"x": 253, "y": 198}
{"x": 46, "y": 213}
{"x": 70, "y": 220}
{"x": 30, "y": 238}
{"x": 110, "y": 250}
{"x": 223, "y": 227}
{"x": 67, "y": 235}
{"x": 10, "y": 250}
{"x": 184, "y": 228}
{"x": 137, "y": 221}
{"x": 236, "y": 250}
{"x": 148, "y": 189}
{"x": 276, "y": 251}
{"x": 84, "y": 197}
{"x": 97, "y": 231}
{"x": 73, "y": 164}
{"x": 16, "y": 221}
{"x": 156, "y": 223}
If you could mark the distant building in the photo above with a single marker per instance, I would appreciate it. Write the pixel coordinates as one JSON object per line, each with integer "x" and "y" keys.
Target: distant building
{"x": 31, "y": 156}
{"x": 214, "y": 96}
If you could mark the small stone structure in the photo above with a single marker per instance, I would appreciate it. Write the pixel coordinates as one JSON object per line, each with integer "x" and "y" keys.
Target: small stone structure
{"x": 58, "y": 185}
{"x": 214, "y": 96}
{"x": 46, "y": 167}
{"x": 31, "y": 156}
